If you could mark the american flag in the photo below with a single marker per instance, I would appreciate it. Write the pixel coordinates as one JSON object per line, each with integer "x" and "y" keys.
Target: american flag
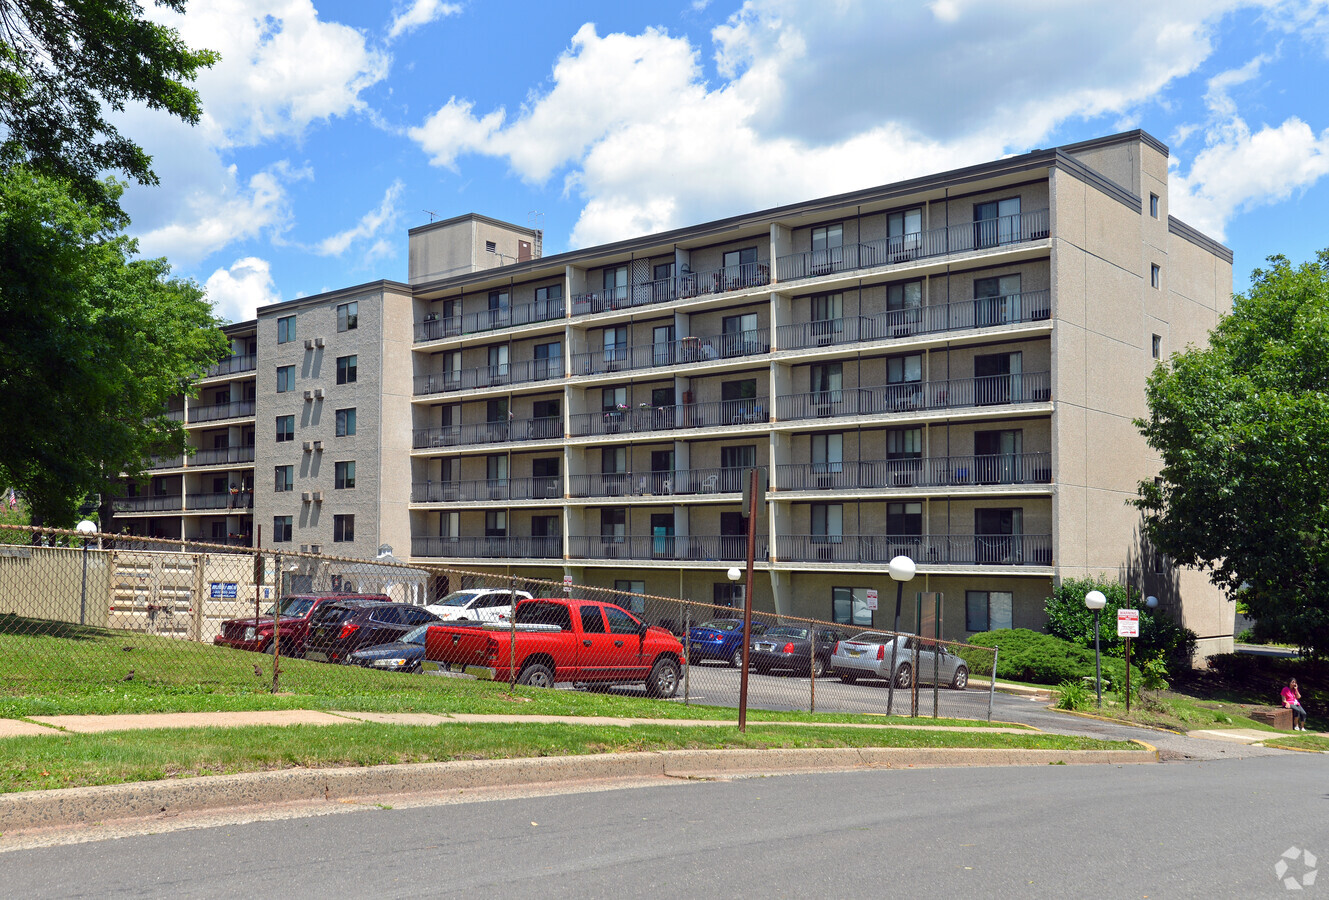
{"x": 12, "y": 501}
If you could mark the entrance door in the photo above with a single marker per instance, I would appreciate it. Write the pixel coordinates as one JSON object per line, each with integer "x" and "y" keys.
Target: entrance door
{"x": 996, "y": 300}
{"x": 997, "y": 456}
{"x": 997, "y": 378}
{"x": 996, "y": 222}
{"x": 662, "y": 346}
{"x": 662, "y": 471}
{"x": 733, "y": 536}
{"x": 997, "y": 535}
{"x": 662, "y": 535}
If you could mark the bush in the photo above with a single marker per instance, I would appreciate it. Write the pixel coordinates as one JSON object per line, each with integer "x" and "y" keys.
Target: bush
{"x": 1153, "y": 675}
{"x": 1072, "y": 695}
{"x": 1039, "y": 658}
{"x": 1246, "y": 636}
{"x": 1160, "y": 637}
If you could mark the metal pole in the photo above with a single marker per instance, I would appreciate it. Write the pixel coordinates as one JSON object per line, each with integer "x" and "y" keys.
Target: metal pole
{"x": 687, "y": 651}
{"x": 747, "y": 601}
{"x": 812, "y": 667}
{"x": 1098, "y": 664}
{"x": 83, "y": 601}
{"x": 936, "y": 652}
{"x": 895, "y": 646}
{"x": 1128, "y": 674}
{"x": 512, "y": 634}
{"x": 276, "y": 635}
{"x": 992, "y": 682}
{"x": 918, "y": 629}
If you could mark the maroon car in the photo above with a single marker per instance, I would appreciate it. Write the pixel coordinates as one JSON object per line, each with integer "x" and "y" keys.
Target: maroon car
{"x": 297, "y": 610}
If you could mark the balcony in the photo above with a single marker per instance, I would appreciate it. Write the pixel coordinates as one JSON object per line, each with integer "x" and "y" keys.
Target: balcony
{"x": 680, "y": 287}
{"x": 980, "y": 312}
{"x": 499, "y": 375}
{"x": 927, "y": 549}
{"x": 682, "y": 483}
{"x": 230, "y": 540}
{"x": 749, "y": 411}
{"x": 488, "y": 547}
{"x": 241, "y": 500}
{"x": 221, "y": 456}
{"x": 220, "y": 411}
{"x": 166, "y": 462}
{"x": 541, "y": 488}
{"x": 548, "y": 428}
{"x": 942, "y": 471}
{"x": 148, "y": 504}
{"x": 233, "y": 365}
{"x": 918, "y": 396}
{"x": 687, "y": 548}
{"x": 733, "y": 345}
{"x": 966, "y": 237}
{"x": 433, "y": 329}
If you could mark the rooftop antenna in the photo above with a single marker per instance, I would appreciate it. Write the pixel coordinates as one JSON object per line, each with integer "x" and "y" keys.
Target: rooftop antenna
{"x": 536, "y": 220}
{"x": 432, "y": 215}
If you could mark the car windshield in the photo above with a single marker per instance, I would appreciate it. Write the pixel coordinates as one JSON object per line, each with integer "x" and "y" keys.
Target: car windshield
{"x": 721, "y": 624}
{"x": 870, "y": 637}
{"x": 291, "y": 606}
{"x": 458, "y": 598}
{"x": 415, "y": 635}
{"x": 792, "y": 631}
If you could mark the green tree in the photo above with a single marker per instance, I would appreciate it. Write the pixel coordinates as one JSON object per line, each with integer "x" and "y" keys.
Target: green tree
{"x": 95, "y": 342}
{"x": 1242, "y": 427}
{"x": 64, "y": 63}
{"x": 1160, "y": 637}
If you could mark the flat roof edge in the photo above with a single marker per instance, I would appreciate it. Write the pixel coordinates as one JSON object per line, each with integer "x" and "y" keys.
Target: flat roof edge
{"x": 1199, "y": 239}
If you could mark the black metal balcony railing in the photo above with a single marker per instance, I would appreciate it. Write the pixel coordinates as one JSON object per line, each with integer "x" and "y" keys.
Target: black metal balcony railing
{"x": 233, "y": 364}
{"x": 498, "y": 375}
{"x": 667, "y": 353}
{"x": 543, "y": 429}
{"x": 221, "y": 411}
{"x": 488, "y": 547}
{"x": 490, "y": 320}
{"x": 916, "y": 396}
{"x": 669, "y": 418}
{"x": 176, "y": 415}
{"x": 221, "y": 456}
{"x": 166, "y": 462}
{"x": 148, "y": 504}
{"x": 967, "y": 236}
{"x": 691, "y": 547}
{"x": 925, "y": 549}
{"x": 980, "y": 312}
{"x": 941, "y": 471}
{"x": 224, "y": 500}
{"x": 684, "y": 482}
{"x": 538, "y": 488}
{"x": 680, "y": 287}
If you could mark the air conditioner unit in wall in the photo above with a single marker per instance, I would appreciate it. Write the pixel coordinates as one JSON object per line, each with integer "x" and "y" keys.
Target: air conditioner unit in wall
{"x": 318, "y": 496}
{"x": 309, "y": 395}
{"x": 318, "y": 342}
{"x": 309, "y": 445}
{"x": 304, "y": 548}
{"x": 318, "y": 446}
{"x": 305, "y": 496}
{"x": 309, "y": 343}
{"x": 318, "y": 393}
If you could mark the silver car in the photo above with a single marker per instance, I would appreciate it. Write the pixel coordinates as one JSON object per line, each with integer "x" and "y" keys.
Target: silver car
{"x": 868, "y": 655}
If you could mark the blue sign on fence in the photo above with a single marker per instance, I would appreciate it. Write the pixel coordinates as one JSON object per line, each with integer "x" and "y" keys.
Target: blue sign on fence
{"x": 224, "y": 590}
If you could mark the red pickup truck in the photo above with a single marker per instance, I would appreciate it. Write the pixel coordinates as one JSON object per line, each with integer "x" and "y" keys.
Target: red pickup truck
{"x": 561, "y": 640}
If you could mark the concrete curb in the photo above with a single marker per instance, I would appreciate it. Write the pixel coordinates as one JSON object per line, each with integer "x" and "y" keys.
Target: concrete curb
{"x": 92, "y": 805}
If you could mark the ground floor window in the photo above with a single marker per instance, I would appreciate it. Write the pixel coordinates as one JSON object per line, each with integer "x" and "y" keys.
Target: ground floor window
{"x": 727, "y": 593}
{"x": 987, "y": 610}
{"x": 849, "y": 606}
{"x": 636, "y": 603}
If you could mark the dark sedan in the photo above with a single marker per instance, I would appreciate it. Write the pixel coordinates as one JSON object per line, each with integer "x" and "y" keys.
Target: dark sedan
{"x": 399, "y": 656}
{"x": 789, "y": 647}
{"x": 339, "y": 629}
{"x": 720, "y": 639}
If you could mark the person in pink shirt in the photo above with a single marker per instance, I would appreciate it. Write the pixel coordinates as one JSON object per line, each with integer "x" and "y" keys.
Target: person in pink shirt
{"x": 1292, "y": 700}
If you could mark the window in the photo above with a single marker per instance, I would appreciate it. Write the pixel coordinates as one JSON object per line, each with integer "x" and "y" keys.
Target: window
{"x": 285, "y": 329}
{"x": 636, "y": 603}
{"x": 904, "y": 295}
{"x": 592, "y": 621}
{"x": 828, "y": 453}
{"x": 616, "y": 283}
{"x": 1153, "y": 205}
{"x": 285, "y": 379}
{"x": 1155, "y": 276}
{"x": 1158, "y": 347}
{"x": 345, "y": 422}
{"x": 549, "y": 360}
{"x": 343, "y": 529}
{"x": 904, "y": 369}
{"x": 348, "y": 316}
{"x": 614, "y": 398}
{"x": 344, "y": 474}
{"x": 997, "y": 222}
{"x": 826, "y": 381}
{"x": 549, "y": 292}
{"x": 727, "y": 593}
{"x": 613, "y": 524}
{"x": 346, "y": 366}
{"x": 740, "y": 269}
{"x": 996, "y": 300}
{"x": 827, "y": 252}
{"x": 987, "y": 610}
{"x": 281, "y": 529}
{"x": 903, "y": 234}
{"x": 904, "y": 519}
{"x": 904, "y": 443}
{"x": 827, "y": 523}
{"x": 849, "y": 606}
{"x": 620, "y": 622}
{"x": 285, "y": 428}
{"x": 285, "y": 479}
{"x": 496, "y": 523}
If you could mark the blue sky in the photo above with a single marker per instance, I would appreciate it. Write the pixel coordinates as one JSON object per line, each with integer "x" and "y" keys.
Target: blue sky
{"x": 330, "y": 128}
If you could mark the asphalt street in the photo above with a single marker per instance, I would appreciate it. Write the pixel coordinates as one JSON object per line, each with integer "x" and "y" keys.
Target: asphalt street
{"x": 1200, "y": 829}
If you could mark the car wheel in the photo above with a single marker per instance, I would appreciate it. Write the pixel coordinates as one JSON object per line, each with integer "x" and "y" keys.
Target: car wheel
{"x": 848, "y": 678}
{"x": 463, "y": 619}
{"x": 736, "y": 661}
{"x": 536, "y": 675}
{"x": 270, "y": 648}
{"x": 662, "y": 683}
{"x": 961, "y": 679}
{"x": 903, "y": 676}
{"x": 818, "y": 667}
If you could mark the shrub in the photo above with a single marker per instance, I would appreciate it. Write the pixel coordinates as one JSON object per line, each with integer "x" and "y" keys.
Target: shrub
{"x": 1039, "y": 658}
{"x": 1246, "y": 636}
{"x": 1072, "y": 694}
{"x": 1160, "y": 636}
{"x": 1153, "y": 675}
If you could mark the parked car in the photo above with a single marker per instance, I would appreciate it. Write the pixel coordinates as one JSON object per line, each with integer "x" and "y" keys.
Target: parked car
{"x": 558, "y": 640}
{"x": 297, "y": 610}
{"x": 721, "y": 639}
{"x": 402, "y": 655}
{"x": 477, "y": 605}
{"x": 790, "y": 647}
{"x": 339, "y": 629}
{"x": 868, "y": 655}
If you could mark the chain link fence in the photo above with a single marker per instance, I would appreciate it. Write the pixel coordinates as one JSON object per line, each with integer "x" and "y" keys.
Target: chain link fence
{"x": 86, "y": 615}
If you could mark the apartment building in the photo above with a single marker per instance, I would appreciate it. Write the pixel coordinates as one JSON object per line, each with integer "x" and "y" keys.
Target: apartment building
{"x": 946, "y": 368}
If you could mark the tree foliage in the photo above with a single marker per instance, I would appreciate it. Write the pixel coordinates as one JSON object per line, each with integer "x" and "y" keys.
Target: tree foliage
{"x": 1242, "y": 427}
{"x": 64, "y": 63}
{"x": 1160, "y": 637}
{"x": 95, "y": 342}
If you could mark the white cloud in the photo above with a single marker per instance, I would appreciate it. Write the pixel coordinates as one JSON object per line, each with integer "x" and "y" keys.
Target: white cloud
{"x": 236, "y": 293}
{"x": 419, "y": 13}
{"x": 452, "y": 131}
{"x": 370, "y": 226}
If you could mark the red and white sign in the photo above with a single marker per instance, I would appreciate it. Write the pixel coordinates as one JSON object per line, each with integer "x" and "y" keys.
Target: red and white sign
{"x": 1128, "y": 623}
{"x": 872, "y": 598}
{"x": 567, "y": 584}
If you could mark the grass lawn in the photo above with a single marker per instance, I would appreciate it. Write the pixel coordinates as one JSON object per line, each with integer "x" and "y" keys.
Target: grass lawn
{"x": 1300, "y": 741}
{"x": 74, "y": 760}
{"x": 1177, "y": 711}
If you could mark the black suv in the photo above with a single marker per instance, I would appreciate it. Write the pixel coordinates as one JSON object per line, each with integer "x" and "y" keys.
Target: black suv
{"x": 340, "y": 628}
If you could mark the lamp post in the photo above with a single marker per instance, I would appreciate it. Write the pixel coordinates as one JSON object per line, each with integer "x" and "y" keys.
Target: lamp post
{"x": 85, "y": 528}
{"x": 902, "y": 569}
{"x": 1151, "y": 602}
{"x": 1096, "y": 601}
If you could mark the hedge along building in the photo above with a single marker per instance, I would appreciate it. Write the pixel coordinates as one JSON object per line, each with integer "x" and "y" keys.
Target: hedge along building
{"x": 945, "y": 368}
